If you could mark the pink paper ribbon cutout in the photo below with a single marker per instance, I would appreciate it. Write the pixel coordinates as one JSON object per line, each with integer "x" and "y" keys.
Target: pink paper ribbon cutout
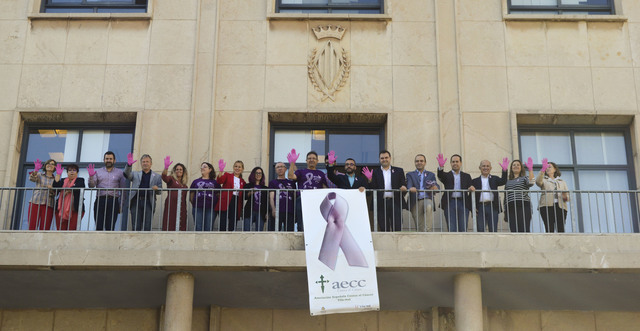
{"x": 334, "y": 210}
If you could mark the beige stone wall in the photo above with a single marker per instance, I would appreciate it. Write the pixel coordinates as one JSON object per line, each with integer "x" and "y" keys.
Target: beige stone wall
{"x": 221, "y": 319}
{"x": 82, "y": 319}
{"x": 202, "y": 75}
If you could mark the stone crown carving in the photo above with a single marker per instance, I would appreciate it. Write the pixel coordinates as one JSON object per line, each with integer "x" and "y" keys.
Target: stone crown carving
{"x": 329, "y": 31}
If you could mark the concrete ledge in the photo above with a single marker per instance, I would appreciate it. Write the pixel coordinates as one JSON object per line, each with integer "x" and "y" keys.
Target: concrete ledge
{"x": 564, "y": 18}
{"x": 327, "y": 17}
{"x": 264, "y": 251}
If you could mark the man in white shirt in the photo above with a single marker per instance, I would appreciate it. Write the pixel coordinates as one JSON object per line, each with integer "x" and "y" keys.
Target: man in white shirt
{"x": 389, "y": 203}
{"x": 487, "y": 198}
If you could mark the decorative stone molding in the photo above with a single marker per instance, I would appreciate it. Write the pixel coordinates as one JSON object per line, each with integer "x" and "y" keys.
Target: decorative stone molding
{"x": 329, "y": 63}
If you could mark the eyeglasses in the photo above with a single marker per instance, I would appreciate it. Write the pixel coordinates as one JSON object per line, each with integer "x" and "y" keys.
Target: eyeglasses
{"x": 350, "y": 164}
{"x": 259, "y": 173}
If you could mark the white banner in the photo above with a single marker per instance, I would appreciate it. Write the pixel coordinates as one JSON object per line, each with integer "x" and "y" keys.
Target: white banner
{"x": 341, "y": 269}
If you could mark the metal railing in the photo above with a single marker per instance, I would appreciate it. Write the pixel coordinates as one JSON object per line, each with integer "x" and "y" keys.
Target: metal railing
{"x": 280, "y": 210}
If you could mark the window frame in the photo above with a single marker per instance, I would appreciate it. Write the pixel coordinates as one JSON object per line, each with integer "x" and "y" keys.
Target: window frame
{"x": 562, "y": 9}
{"x": 329, "y": 7}
{"x": 329, "y": 129}
{"x": 23, "y": 164}
{"x": 95, "y": 5}
{"x": 576, "y": 168}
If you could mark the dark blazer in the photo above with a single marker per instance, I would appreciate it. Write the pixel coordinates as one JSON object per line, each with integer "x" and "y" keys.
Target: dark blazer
{"x": 76, "y": 193}
{"x": 413, "y": 180}
{"x": 397, "y": 180}
{"x": 494, "y": 182}
{"x": 447, "y": 180}
{"x": 342, "y": 180}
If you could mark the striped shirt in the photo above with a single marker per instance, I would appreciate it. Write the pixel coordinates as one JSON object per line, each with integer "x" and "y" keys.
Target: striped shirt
{"x": 517, "y": 189}
{"x": 42, "y": 195}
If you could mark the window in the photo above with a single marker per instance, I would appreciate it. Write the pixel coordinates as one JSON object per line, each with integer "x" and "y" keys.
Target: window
{"x": 68, "y": 144}
{"x": 573, "y": 7}
{"x": 597, "y": 160}
{"x": 362, "y": 144}
{"x": 330, "y": 6}
{"x": 94, "y": 6}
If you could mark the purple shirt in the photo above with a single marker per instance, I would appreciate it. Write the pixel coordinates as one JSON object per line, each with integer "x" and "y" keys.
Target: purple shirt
{"x": 205, "y": 197}
{"x": 257, "y": 195}
{"x": 107, "y": 179}
{"x": 285, "y": 199}
{"x": 310, "y": 179}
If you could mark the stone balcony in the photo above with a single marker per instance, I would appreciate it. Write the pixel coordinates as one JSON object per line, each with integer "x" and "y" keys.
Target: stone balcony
{"x": 267, "y": 270}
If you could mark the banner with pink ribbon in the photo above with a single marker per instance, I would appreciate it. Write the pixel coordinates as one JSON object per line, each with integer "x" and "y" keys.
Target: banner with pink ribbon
{"x": 341, "y": 269}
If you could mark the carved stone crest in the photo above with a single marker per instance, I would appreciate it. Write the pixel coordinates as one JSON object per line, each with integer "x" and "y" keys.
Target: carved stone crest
{"x": 329, "y": 63}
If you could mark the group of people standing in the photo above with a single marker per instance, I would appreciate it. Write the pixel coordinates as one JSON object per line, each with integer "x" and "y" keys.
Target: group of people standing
{"x": 229, "y": 198}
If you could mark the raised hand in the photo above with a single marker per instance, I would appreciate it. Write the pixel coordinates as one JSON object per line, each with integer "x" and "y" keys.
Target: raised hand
{"x": 367, "y": 173}
{"x": 38, "y": 165}
{"x": 441, "y": 160}
{"x": 505, "y": 164}
{"x": 545, "y": 165}
{"x": 332, "y": 157}
{"x": 91, "y": 169}
{"x": 221, "y": 165}
{"x": 130, "y": 160}
{"x": 167, "y": 162}
{"x": 292, "y": 157}
{"x": 59, "y": 169}
{"x": 529, "y": 164}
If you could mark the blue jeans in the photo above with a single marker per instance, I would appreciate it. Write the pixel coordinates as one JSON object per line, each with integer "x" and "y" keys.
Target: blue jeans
{"x": 254, "y": 217}
{"x": 487, "y": 215}
{"x": 457, "y": 215}
{"x": 203, "y": 218}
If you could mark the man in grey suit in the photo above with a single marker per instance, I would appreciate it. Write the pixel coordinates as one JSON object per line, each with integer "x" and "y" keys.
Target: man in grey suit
{"x": 420, "y": 200}
{"x": 142, "y": 202}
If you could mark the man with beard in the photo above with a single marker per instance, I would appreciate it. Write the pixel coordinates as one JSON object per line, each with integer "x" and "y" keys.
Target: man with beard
{"x": 348, "y": 180}
{"x": 107, "y": 205}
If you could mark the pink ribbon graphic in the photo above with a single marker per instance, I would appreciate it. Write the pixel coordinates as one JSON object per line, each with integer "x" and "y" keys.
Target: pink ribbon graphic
{"x": 309, "y": 180}
{"x": 335, "y": 209}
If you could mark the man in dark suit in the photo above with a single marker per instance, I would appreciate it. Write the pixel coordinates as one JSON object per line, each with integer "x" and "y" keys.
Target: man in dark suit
{"x": 389, "y": 204}
{"x": 350, "y": 179}
{"x": 456, "y": 205}
{"x": 487, "y": 199}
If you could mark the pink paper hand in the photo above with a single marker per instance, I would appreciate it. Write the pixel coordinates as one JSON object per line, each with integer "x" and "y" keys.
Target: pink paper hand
{"x": 292, "y": 157}
{"x": 441, "y": 160}
{"x": 59, "y": 169}
{"x": 221, "y": 165}
{"x": 545, "y": 165}
{"x": 130, "y": 160}
{"x": 367, "y": 173}
{"x": 332, "y": 157}
{"x": 91, "y": 169}
{"x": 38, "y": 165}
{"x": 505, "y": 164}
{"x": 167, "y": 162}
{"x": 530, "y": 165}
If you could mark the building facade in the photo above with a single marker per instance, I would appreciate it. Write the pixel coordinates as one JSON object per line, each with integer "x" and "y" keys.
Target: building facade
{"x": 202, "y": 80}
